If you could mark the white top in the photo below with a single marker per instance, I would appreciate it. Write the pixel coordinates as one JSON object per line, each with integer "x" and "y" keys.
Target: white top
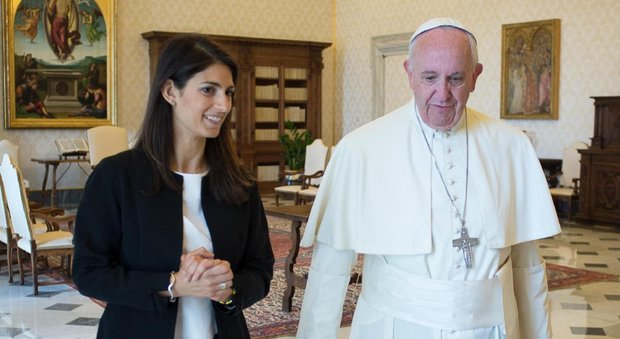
{"x": 195, "y": 317}
{"x": 375, "y": 195}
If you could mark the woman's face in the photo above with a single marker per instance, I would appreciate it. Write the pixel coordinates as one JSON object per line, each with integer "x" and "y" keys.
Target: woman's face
{"x": 202, "y": 105}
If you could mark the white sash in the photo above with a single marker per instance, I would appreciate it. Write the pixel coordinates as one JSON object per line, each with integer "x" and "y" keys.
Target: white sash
{"x": 441, "y": 304}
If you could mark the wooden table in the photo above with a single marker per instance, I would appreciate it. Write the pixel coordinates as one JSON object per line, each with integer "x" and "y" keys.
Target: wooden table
{"x": 298, "y": 214}
{"x": 55, "y": 162}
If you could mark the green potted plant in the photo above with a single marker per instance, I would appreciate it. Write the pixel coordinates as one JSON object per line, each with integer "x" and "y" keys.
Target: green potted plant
{"x": 294, "y": 142}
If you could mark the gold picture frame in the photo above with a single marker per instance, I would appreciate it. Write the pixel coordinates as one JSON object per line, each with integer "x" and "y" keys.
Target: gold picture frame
{"x": 530, "y": 70}
{"x": 59, "y": 67}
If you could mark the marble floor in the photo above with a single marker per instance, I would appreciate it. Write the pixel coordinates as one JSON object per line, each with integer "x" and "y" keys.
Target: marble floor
{"x": 587, "y": 311}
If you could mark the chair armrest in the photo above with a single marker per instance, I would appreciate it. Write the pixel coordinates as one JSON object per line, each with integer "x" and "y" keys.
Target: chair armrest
{"x": 307, "y": 178}
{"x": 51, "y": 211}
{"x": 314, "y": 175}
{"x": 55, "y": 223}
{"x": 34, "y": 204}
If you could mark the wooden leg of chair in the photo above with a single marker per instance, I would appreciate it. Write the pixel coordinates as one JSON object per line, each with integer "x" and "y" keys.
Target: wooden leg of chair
{"x": 20, "y": 264}
{"x": 277, "y": 199}
{"x": 35, "y": 273}
{"x": 570, "y": 208}
{"x": 9, "y": 260}
{"x": 68, "y": 265}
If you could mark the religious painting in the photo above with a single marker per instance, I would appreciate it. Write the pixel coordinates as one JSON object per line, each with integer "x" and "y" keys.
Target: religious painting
{"x": 530, "y": 70}
{"x": 60, "y": 67}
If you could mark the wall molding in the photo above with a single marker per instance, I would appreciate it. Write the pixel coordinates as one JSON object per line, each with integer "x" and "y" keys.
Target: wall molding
{"x": 382, "y": 47}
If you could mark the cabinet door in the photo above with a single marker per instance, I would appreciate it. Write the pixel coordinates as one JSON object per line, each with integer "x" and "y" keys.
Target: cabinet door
{"x": 296, "y": 96}
{"x": 266, "y": 103}
{"x": 605, "y": 188}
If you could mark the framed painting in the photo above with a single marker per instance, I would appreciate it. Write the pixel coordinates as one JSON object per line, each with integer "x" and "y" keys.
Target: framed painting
{"x": 530, "y": 70}
{"x": 59, "y": 63}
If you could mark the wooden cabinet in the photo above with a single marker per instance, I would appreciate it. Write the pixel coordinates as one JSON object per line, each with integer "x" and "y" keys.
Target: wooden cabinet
{"x": 599, "y": 197}
{"x": 278, "y": 80}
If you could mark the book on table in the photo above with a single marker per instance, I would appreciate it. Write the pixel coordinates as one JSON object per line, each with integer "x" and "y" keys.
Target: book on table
{"x": 72, "y": 147}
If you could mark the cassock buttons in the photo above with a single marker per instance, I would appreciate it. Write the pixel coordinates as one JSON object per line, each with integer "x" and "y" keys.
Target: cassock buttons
{"x": 454, "y": 198}
{"x": 452, "y": 182}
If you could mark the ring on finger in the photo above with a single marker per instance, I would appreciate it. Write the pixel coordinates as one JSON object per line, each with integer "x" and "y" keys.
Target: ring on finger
{"x": 222, "y": 286}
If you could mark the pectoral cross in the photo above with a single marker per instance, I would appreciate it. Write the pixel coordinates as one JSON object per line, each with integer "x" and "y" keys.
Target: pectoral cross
{"x": 465, "y": 243}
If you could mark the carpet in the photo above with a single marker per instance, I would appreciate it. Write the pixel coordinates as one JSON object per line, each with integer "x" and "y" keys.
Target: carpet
{"x": 561, "y": 277}
{"x": 267, "y": 320}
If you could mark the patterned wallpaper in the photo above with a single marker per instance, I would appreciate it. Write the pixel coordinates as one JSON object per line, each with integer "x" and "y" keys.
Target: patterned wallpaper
{"x": 396, "y": 86}
{"x": 281, "y": 19}
{"x": 590, "y": 51}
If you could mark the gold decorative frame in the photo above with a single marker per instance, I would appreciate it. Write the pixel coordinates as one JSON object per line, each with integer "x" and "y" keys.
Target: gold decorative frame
{"x": 530, "y": 70}
{"x": 53, "y": 79}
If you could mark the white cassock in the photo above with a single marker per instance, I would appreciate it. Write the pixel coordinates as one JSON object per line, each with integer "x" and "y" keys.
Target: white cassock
{"x": 381, "y": 196}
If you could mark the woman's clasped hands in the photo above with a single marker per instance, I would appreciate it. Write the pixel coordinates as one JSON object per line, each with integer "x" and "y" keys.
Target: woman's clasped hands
{"x": 201, "y": 275}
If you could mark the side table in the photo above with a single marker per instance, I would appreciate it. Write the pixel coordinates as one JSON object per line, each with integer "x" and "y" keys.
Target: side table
{"x": 298, "y": 214}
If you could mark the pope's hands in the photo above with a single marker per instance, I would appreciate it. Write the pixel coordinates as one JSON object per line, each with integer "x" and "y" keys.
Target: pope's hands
{"x": 201, "y": 275}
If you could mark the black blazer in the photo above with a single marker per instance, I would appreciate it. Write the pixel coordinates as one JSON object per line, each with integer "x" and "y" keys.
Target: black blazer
{"x": 128, "y": 239}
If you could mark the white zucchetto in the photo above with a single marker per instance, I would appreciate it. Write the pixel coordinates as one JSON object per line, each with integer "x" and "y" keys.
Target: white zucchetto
{"x": 439, "y": 22}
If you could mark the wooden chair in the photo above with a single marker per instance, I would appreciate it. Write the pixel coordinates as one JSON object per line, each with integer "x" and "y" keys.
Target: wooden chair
{"x": 6, "y": 229}
{"x": 568, "y": 190}
{"x": 28, "y": 236}
{"x": 314, "y": 165}
{"x": 308, "y": 188}
{"x": 104, "y": 141}
{"x": 6, "y": 233}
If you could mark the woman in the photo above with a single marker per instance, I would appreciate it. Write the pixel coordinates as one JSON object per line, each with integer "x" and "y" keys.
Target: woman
{"x": 177, "y": 216}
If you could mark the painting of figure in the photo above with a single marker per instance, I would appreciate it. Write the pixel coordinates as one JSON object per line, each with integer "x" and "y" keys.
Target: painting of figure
{"x": 516, "y": 76}
{"x": 92, "y": 25}
{"x": 530, "y": 70}
{"x": 62, "y": 27}
{"x": 30, "y": 26}
{"x": 61, "y": 60}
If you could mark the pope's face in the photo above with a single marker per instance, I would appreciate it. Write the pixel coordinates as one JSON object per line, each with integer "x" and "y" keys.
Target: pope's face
{"x": 441, "y": 76}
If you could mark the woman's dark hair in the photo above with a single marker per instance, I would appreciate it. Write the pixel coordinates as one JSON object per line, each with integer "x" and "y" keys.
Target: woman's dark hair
{"x": 183, "y": 56}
